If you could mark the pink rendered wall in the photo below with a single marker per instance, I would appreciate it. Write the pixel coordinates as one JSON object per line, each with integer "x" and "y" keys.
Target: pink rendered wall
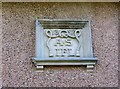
{"x": 18, "y": 45}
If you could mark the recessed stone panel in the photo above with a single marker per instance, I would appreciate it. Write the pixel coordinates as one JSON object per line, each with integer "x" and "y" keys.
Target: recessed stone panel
{"x": 59, "y": 40}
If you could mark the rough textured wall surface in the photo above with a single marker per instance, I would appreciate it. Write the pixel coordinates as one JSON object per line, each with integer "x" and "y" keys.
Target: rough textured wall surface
{"x": 0, "y": 44}
{"x": 19, "y": 45}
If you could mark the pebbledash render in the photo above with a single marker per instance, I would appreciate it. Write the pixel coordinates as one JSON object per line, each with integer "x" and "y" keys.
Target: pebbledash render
{"x": 59, "y": 44}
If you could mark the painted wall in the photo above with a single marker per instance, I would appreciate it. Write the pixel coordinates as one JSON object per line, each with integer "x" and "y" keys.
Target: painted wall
{"x": 18, "y": 45}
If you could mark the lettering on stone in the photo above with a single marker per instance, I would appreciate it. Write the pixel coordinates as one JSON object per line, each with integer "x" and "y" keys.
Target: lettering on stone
{"x": 63, "y": 42}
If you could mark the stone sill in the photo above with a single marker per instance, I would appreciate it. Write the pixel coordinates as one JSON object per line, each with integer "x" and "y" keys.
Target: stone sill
{"x": 89, "y": 62}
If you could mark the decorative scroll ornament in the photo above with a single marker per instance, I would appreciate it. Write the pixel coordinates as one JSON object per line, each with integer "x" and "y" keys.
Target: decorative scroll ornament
{"x": 74, "y": 34}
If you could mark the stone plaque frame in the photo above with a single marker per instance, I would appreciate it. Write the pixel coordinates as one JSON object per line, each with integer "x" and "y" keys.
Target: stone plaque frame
{"x": 66, "y": 35}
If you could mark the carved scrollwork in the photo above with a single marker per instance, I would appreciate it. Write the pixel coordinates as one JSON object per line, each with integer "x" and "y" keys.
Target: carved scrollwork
{"x": 77, "y": 35}
{"x": 62, "y": 33}
{"x": 74, "y": 34}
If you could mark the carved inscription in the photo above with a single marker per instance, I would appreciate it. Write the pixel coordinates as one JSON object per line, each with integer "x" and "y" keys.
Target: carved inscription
{"x": 63, "y": 43}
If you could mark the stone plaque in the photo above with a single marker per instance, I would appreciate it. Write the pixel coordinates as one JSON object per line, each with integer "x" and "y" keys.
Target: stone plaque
{"x": 63, "y": 42}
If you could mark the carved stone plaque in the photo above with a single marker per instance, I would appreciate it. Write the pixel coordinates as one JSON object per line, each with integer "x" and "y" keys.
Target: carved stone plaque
{"x": 63, "y": 42}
